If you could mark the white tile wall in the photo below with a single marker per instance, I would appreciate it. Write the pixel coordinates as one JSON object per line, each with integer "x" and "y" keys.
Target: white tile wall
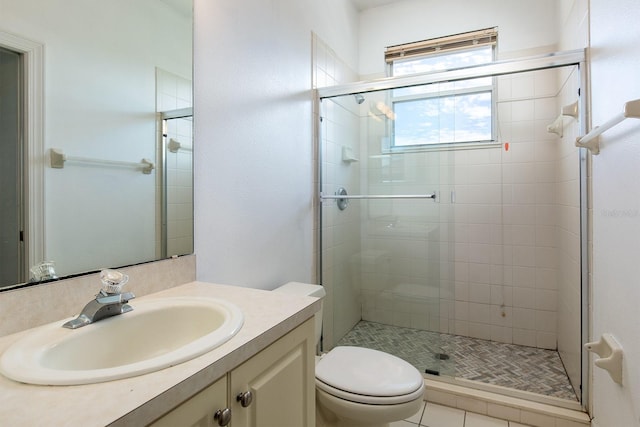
{"x": 485, "y": 266}
{"x": 341, "y": 275}
{"x": 494, "y": 260}
{"x": 567, "y": 279}
{"x": 525, "y": 206}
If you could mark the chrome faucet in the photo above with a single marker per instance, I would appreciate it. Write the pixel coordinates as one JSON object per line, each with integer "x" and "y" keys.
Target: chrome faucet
{"x": 110, "y": 301}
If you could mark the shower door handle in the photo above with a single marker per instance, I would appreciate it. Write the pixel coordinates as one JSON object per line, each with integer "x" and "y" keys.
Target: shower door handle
{"x": 382, "y": 196}
{"x": 342, "y": 197}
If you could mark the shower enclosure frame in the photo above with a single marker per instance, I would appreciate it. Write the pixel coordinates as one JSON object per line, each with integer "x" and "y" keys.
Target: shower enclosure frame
{"x": 163, "y": 146}
{"x": 555, "y": 60}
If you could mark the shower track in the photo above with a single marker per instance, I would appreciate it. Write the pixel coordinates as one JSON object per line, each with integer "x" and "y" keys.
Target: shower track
{"x": 518, "y": 367}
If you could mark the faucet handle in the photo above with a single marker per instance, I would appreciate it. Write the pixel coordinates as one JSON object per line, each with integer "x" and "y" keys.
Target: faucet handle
{"x": 113, "y": 281}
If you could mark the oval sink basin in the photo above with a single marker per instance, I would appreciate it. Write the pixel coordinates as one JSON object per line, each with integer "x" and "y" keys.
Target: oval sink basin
{"x": 158, "y": 333}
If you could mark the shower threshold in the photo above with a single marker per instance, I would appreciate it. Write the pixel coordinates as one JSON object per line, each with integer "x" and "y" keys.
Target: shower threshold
{"x": 509, "y": 366}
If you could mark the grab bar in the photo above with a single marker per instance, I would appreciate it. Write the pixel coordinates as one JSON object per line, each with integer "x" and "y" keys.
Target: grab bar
{"x": 342, "y": 197}
{"x": 591, "y": 140}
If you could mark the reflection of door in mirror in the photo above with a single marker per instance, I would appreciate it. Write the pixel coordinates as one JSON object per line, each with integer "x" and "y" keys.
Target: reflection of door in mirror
{"x": 12, "y": 251}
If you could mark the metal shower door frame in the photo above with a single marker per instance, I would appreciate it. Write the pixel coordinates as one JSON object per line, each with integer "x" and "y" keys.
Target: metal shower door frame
{"x": 577, "y": 58}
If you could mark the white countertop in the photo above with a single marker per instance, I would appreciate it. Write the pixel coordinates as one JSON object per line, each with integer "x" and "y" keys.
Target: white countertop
{"x": 139, "y": 400}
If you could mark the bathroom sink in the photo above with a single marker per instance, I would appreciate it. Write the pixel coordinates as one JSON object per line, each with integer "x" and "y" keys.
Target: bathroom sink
{"x": 158, "y": 333}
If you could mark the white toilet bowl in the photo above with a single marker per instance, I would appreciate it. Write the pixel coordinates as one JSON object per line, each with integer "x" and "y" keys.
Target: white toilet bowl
{"x": 357, "y": 386}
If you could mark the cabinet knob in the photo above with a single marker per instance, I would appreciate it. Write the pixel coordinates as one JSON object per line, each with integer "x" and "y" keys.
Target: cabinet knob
{"x": 222, "y": 416}
{"x": 245, "y": 398}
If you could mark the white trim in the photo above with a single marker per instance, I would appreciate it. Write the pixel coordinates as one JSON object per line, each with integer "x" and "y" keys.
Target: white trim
{"x": 33, "y": 53}
{"x": 488, "y": 402}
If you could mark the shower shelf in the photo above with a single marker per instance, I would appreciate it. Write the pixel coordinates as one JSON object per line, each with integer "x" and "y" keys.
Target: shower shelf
{"x": 348, "y": 156}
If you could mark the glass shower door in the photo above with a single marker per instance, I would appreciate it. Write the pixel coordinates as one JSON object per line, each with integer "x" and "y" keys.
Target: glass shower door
{"x": 385, "y": 260}
{"x": 486, "y": 282}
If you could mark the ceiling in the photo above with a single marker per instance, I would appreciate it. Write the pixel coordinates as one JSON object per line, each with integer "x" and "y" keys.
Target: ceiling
{"x": 369, "y": 4}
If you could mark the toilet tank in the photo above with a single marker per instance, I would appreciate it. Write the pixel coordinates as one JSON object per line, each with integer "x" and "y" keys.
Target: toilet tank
{"x": 297, "y": 288}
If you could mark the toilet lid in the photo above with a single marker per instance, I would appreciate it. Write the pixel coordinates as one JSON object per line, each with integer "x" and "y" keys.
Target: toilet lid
{"x": 365, "y": 372}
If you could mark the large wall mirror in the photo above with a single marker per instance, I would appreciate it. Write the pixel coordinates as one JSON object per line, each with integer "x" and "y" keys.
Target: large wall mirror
{"x": 96, "y": 134}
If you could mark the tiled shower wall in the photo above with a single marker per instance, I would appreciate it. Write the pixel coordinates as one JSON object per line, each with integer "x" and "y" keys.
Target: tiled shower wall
{"x": 568, "y": 236}
{"x": 341, "y": 229}
{"x": 527, "y": 313}
{"x": 484, "y": 261}
{"x": 574, "y": 35}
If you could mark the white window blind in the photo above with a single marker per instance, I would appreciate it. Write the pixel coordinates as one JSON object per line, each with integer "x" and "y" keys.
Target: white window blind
{"x": 488, "y": 36}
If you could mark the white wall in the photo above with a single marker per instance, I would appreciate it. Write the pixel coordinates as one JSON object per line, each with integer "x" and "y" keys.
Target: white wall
{"x": 522, "y": 25}
{"x": 254, "y": 161}
{"x": 615, "y": 60}
{"x": 94, "y": 78}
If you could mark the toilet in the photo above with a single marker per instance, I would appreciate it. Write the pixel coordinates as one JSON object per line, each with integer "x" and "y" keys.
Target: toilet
{"x": 358, "y": 386}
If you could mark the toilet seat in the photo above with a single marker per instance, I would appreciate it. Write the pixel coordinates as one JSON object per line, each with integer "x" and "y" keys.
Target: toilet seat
{"x": 368, "y": 376}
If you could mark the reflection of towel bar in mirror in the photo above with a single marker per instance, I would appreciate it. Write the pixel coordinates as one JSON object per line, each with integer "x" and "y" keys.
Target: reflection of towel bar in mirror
{"x": 58, "y": 159}
{"x": 175, "y": 145}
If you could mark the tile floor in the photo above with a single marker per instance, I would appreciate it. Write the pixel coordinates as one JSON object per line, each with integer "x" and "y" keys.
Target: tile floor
{"x": 432, "y": 415}
{"x": 508, "y": 365}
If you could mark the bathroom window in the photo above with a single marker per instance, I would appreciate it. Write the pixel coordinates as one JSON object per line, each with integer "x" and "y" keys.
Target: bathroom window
{"x": 450, "y": 113}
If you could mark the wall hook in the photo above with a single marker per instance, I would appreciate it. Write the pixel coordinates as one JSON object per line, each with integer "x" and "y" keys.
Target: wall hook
{"x": 610, "y": 353}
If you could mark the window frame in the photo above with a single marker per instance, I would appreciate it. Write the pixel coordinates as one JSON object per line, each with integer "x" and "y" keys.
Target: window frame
{"x": 441, "y": 46}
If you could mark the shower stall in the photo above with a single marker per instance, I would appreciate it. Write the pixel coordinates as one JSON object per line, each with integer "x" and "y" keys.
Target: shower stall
{"x": 453, "y": 235}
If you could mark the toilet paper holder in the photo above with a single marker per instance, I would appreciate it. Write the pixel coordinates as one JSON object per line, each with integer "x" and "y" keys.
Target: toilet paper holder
{"x": 610, "y": 353}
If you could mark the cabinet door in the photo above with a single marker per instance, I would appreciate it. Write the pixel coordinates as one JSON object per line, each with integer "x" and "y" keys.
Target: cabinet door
{"x": 199, "y": 410}
{"x": 281, "y": 379}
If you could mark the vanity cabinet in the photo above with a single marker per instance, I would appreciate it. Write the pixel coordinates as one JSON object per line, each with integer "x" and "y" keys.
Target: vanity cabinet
{"x": 276, "y": 387}
{"x": 199, "y": 411}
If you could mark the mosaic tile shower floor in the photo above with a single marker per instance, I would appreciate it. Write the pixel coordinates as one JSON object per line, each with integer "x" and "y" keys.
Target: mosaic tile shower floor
{"x": 522, "y": 368}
